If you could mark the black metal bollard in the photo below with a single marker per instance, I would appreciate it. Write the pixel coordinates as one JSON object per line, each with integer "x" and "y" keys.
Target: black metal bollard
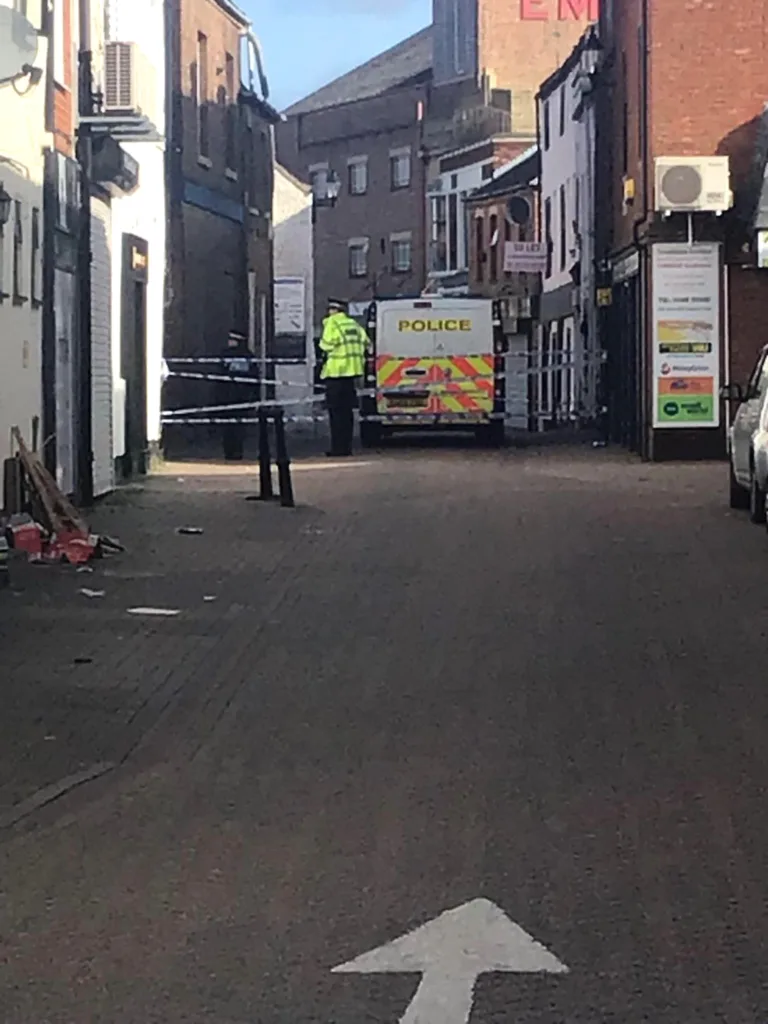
{"x": 283, "y": 461}
{"x": 265, "y": 469}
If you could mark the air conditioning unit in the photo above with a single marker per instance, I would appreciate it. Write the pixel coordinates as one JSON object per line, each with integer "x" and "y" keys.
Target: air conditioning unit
{"x": 693, "y": 183}
{"x": 129, "y": 80}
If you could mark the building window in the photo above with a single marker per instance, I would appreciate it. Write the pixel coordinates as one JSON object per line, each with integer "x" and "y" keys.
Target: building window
{"x": 230, "y": 114}
{"x": 358, "y": 176}
{"x": 548, "y": 235}
{"x": 545, "y": 121}
{"x": 18, "y": 251}
{"x": 439, "y": 234}
{"x": 493, "y": 273}
{"x": 34, "y": 267}
{"x": 402, "y": 254}
{"x": 358, "y": 258}
{"x": 479, "y": 248}
{"x": 487, "y": 171}
{"x": 562, "y": 110}
{"x": 400, "y": 169}
{"x": 453, "y": 231}
{"x": 201, "y": 98}
{"x": 563, "y": 226}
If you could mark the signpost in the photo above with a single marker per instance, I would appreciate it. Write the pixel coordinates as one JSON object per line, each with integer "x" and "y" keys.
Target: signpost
{"x": 525, "y": 257}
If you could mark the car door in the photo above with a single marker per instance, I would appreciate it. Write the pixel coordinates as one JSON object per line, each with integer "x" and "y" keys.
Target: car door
{"x": 747, "y": 420}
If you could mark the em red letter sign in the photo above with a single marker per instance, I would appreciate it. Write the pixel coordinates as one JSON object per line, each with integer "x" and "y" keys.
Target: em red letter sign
{"x": 575, "y": 10}
{"x": 534, "y": 10}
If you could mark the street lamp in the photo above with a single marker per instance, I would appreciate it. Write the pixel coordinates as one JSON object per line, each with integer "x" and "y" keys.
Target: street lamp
{"x": 5, "y": 207}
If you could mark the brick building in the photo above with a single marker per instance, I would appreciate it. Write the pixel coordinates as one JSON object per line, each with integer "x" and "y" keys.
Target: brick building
{"x": 366, "y": 129}
{"x": 219, "y": 179}
{"x": 685, "y": 83}
{"x": 466, "y": 82}
{"x": 505, "y": 209}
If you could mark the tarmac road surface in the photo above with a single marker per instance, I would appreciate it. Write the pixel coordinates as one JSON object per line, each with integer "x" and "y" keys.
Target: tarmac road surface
{"x": 526, "y": 688}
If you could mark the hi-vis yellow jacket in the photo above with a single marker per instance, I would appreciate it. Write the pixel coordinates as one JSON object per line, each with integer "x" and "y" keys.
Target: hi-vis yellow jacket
{"x": 344, "y": 343}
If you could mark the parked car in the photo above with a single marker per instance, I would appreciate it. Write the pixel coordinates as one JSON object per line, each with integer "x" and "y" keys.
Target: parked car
{"x": 748, "y": 442}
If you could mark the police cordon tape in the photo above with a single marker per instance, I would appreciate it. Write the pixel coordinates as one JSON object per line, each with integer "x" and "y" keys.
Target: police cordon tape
{"x": 531, "y": 371}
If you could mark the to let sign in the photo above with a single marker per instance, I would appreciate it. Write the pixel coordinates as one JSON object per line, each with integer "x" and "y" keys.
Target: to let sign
{"x": 559, "y": 10}
{"x": 525, "y": 257}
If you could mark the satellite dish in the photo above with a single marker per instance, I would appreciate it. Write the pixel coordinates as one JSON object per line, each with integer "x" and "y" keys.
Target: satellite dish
{"x": 519, "y": 210}
{"x": 18, "y": 43}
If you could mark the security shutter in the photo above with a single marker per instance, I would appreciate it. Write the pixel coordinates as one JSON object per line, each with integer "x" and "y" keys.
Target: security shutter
{"x": 101, "y": 347}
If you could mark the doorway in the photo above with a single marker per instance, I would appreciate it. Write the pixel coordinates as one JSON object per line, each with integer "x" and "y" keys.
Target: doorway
{"x": 65, "y": 295}
{"x": 133, "y": 355}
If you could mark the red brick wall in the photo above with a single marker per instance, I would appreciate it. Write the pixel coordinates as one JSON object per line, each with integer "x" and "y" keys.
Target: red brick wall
{"x": 708, "y": 76}
{"x": 65, "y": 96}
{"x": 479, "y": 271}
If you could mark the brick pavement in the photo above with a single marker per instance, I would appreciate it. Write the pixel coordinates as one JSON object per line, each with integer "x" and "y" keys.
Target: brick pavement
{"x": 532, "y": 677}
{"x": 83, "y": 680}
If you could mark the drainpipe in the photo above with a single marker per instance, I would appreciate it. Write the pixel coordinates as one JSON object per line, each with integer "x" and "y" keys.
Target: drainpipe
{"x": 84, "y": 462}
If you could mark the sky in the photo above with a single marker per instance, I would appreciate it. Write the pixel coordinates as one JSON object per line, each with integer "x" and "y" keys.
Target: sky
{"x": 307, "y": 43}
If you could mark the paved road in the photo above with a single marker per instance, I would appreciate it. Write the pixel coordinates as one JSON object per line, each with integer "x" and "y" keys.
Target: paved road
{"x": 535, "y": 680}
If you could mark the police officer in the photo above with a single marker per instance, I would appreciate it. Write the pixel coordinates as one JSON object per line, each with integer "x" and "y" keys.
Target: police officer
{"x": 236, "y": 362}
{"x": 344, "y": 344}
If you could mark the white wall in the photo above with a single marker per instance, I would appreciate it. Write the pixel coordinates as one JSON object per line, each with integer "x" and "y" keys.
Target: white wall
{"x": 558, "y": 174}
{"x": 142, "y": 213}
{"x": 22, "y": 140}
{"x": 568, "y": 169}
{"x": 293, "y": 257}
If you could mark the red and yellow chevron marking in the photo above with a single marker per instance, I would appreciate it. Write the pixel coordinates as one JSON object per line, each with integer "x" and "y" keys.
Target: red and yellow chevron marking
{"x": 471, "y": 392}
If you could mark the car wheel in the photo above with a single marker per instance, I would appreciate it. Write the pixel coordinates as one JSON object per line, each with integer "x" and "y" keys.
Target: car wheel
{"x": 756, "y": 502}
{"x": 739, "y": 496}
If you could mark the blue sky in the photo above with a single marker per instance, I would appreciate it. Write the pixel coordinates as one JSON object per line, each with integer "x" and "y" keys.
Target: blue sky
{"x": 307, "y": 43}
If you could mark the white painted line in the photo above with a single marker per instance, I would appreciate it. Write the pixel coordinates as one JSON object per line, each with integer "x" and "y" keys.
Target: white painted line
{"x": 158, "y": 612}
{"x": 451, "y": 952}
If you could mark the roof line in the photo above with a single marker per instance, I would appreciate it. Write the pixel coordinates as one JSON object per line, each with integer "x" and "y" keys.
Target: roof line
{"x": 303, "y": 185}
{"x": 589, "y": 39}
{"x": 379, "y": 58}
{"x": 234, "y": 12}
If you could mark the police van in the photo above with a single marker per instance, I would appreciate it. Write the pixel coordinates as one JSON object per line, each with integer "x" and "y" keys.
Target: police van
{"x": 435, "y": 364}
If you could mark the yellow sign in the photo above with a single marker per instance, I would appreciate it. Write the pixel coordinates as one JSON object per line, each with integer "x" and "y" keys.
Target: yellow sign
{"x": 434, "y": 325}
{"x": 604, "y": 296}
{"x": 138, "y": 260}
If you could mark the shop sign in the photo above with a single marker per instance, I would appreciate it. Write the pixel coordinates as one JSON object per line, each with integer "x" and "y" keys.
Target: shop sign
{"x": 686, "y": 335}
{"x": 559, "y": 10}
{"x": 525, "y": 257}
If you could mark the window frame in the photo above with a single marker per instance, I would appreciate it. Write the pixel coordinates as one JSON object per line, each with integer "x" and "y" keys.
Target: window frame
{"x": 395, "y": 157}
{"x": 357, "y": 246}
{"x": 355, "y": 164}
{"x": 19, "y": 298}
{"x": 201, "y": 99}
{"x": 395, "y": 241}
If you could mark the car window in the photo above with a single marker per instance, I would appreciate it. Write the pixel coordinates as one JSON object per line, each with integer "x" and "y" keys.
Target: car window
{"x": 758, "y": 382}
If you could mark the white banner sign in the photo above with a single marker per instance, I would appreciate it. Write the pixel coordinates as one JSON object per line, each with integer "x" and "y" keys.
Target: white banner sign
{"x": 290, "y": 305}
{"x": 525, "y": 257}
{"x": 686, "y": 335}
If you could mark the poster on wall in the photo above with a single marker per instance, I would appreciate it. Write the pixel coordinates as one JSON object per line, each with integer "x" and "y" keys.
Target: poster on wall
{"x": 686, "y": 335}
{"x": 290, "y": 302}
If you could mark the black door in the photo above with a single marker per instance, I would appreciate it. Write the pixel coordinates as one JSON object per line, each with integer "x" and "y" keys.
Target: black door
{"x": 133, "y": 353}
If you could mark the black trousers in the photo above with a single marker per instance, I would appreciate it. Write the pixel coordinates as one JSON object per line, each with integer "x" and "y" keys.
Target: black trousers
{"x": 341, "y": 398}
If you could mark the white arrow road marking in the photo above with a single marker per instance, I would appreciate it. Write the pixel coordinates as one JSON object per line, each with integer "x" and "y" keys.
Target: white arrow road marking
{"x": 451, "y": 952}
